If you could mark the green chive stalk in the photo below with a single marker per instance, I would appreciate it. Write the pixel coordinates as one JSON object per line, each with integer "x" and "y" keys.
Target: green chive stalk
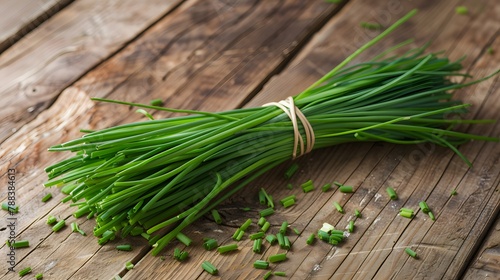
{"x": 166, "y": 173}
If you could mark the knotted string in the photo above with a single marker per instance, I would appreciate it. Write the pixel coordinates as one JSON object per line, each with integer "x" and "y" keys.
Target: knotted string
{"x": 288, "y": 106}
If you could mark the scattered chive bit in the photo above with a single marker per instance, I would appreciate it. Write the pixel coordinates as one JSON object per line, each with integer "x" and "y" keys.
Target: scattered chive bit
{"x": 57, "y": 227}
{"x": 246, "y": 224}
{"x": 145, "y": 113}
{"x": 129, "y": 265}
{"x": 281, "y": 239}
{"x": 326, "y": 187}
{"x": 262, "y": 197}
{"x": 284, "y": 227}
{"x": 287, "y": 244}
{"x": 310, "y": 239}
{"x": 266, "y": 212}
{"x": 24, "y": 271}
{"x": 227, "y": 248}
{"x": 280, "y": 273}
{"x": 47, "y": 197}
{"x": 51, "y": 220}
{"x": 68, "y": 188}
{"x": 216, "y": 216}
{"x": 184, "y": 239}
{"x": 271, "y": 238}
{"x": 156, "y": 102}
{"x": 291, "y": 170}
{"x": 257, "y": 245}
{"x": 307, "y": 186}
{"x": 461, "y": 10}
{"x": 337, "y": 184}
{"x": 289, "y": 203}
{"x": 177, "y": 253}
{"x": 260, "y": 264}
{"x": 290, "y": 197}
{"x": 357, "y": 213}
{"x": 350, "y": 227}
{"x": 346, "y": 189}
{"x": 258, "y": 235}
{"x": 371, "y": 25}
{"x": 240, "y": 235}
{"x": 10, "y": 208}
{"x": 39, "y": 276}
{"x": 75, "y": 228}
{"x": 145, "y": 235}
{"x": 66, "y": 199}
{"x": 124, "y": 247}
{"x": 405, "y": 212}
{"x": 269, "y": 199}
{"x": 431, "y": 215}
{"x": 236, "y": 233}
{"x": 392, "y": 193}
{"x": 424, "y": 207}
{"x": 490, "y": 51}
{"x": 90, "y": 215}
{"x": 21, "y": 244}
{"x": 323, "y": 235}
{"x": 136, "y": 231}
{"x": 338, "y": 207}
{"x": 296, "y": 231}
{"x": 267, "y": 275}
{"x": 261, "y": 221}
{"x": 246, "y": 209}
{"x": 454, "y": 192}
{"x": 277, "y": 258}
{"x": 410, "y": 252}
{"x": 106, "y": 236}
{"x": 184, "y": 255}
{"x": 210, "y": 268}
{"x": 289, "y": 186}
{"x": 210, "y": 244}
{"x": 265, "y": 227}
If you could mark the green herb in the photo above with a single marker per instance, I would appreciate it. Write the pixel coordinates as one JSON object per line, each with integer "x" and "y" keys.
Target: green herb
{"x": 285, "y": 199}
{"x": 271, "y": 238}
{"x": 246, "y": 209}
{"x": 337, "y": 184}
{"x": 177, "y": 253}
{"x": 216, "y": 217}
{"x": 281, "y": 239}
{"x": 289, "y": 186}
{"x": 257, "y": 245}
{"x": 246, "y": 224}
{"x": 227, "y": 248}
{"x": 310, "y": 239}
{"x": 461, "y": 10}
{"x": 326, "y": 187}
{"x": 124, "y": 247}
{"x": 266, "y": 212}
{"x": 392, "y": 193}
{"x": 57, "y": 227}
{"x": 145, "y": 235}
{"x": 240, "y": 235}
{"x": 51, "y": 220}
{"x": 287, "y": 245}
{"x": 307, "y": 186}
{"x": 284, "y": 227}
{"x": 290, "y": 171}
{"x": 350, "y": 227}
{"x": 410, "y": 252}
{"x": 258, "y": 235}
{"x": 346, "y": 189}
{"x": 296, "y": 231}
{"x": 267, "y": 275}
{"x": 106, "y": 236}
{"x": 10, "y": 208}
{"x": 179, "y": 167}
{"x": 338, "y": 207}
{"x": 260, "y": 264}
{"x": 431, "y": 215}
{"x": 24, "y": 271}
{"x": 21, "y": 244}
{"x": 371, "y": 25}
{"x": 39, "y": 276}
{"x": 424, "y": 207}
{"x": 210, "y": 268}
{"x": 407, "y": 213}
{"x": 145, "y": 113}
{"x": 184, "y": 239}
{"x": 266, "y": 226}
{"x": 156, "y": 102}
{"x": 47, "y": 197}
{"x": 490, "y": 51}
{"x": 277, "y": 258}
{"x": 269, "y": 199}
{"x": 280, "y": 273}
{"x": 262, "y": 197}
{"x": 129, "y": 265}
{"x": 261, "y": 221}
{"x": 75, "y": 228}
{"x": 210, "y": 244}
{"x": 454, "y": 192}
{"x": 357, "y": 213}
{"x": 184, "y": 255}
{"x": 236, "y": 233}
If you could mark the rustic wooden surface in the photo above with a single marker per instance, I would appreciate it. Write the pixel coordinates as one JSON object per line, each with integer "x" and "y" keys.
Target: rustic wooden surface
{"x": 217, "y": 55}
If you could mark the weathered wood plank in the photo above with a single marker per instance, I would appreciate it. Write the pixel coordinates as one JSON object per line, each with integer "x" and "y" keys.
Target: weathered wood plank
{"x": 37, "y": 69}
{"x": 19, "y": 17}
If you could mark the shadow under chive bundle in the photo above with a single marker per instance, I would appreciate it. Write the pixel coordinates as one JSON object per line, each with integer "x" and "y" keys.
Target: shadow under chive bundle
{"x": 164, "y": 174}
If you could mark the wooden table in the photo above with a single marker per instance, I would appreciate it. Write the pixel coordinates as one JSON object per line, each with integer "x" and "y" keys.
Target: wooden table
{"x": 216, "y": 55}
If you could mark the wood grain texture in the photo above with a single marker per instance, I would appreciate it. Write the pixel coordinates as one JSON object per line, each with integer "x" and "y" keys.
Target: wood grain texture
{"x": 42, "y": 64}
{"x": 19, "y": 17}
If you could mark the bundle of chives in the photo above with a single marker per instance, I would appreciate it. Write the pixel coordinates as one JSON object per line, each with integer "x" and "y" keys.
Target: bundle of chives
{"x": 159, "y": 173}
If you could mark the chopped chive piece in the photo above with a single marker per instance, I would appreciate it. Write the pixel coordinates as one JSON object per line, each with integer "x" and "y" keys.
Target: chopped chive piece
{"x": 236, "y": 233}
{"x": 490, "y": 50}
{"x": 246, "y": 224}
{"x": 184, "y": 239}
{"x": 350, "y": 227}
{"x": 184, "y": 255}
{"x": 39, "y": 276}
{"x": 424, "y": 207}
{"x": 68, "y": 189}
{"x": 337, "y": 184}
{"x": 51, "y": 220}
{"x": 410, "y": 252}
{"x": 124, "y": 247}
{"x": 338, "y": 207}
{"x": 90, "y": 215}
{"x": 296, "y": 231}
{"x": 261, "y": 221}
{"x": 145, "y": 235}
{"x": 129, "y": 265}
{"x": 431, "y": 215}
{"x": 310, "y": 239}
{"x": 210, "y": 244}
{"x": 57, "y": 227}
{"x": 346, "y": 189}
{"x": 287, "y": 244}
{"x": 262, "y": 197}
{"x": 21, "y": 244}
{"x": 406, "y": 210}
{"x": 284, "y": 227}
{"x": 257, "y": 245}
{"x": 46, "y": 197}
{"x": 267, "y": 275}
{"x": 290, "y": 171}
{"x": 266, "y": 212}
{"x": 24, "y": 271}
{"x": 277, "y": 258}
{"x": 371, "y": 25}
{"x": 136, "y": 231}
{"x": 74, "y": 227}
{"x": 307, "y": 186}
{"x": 407, "y": 213}
{"x": 66, "y": 199}
{"x": 269, "y": 199}
{"x": 271, "y": 238}
{"x": 106, "y": 236}
{"x": 216, "y": 217}
{"x": 227, "y": 248}
{"x": 292, "y": 197}
{"x": 323, "y": 235}
{"x": 461, "y": 10}
{"x": 357, "y": 213}
{"x": 145, "y": 113}
{"x": 258, "y": 235}
{"x": 260, "y": 264}
{"x": 326, "y": 187}
{"x": 10, "y": 208}
{"x": 289, "y": 186}
{"x": 454, "y": 192}
{"x": 246, "y": 209}
{"x": 289, "y": 203}
{"x": 156, "y": 102}
{"x": 177, "y": 253}
{"x": 266, "y": 227}
{"x": 210, "y": 268}
{"x": 280, "y": 273}
{"x": 240, "y": 235}
{"x": 392, "y": 193}
{"x": 281, "y": 239}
